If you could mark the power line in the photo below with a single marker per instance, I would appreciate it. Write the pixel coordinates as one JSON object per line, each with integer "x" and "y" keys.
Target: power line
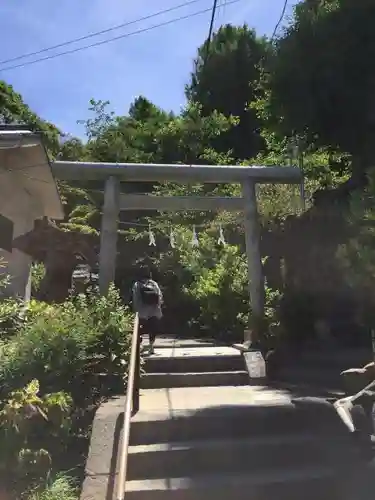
{"x": 126, "y": 35}
{"x": 222, "y": 7}
{"x": 280, "y": 19}
{"x": 214, "y": 7}
{"x": 102, "y": 32}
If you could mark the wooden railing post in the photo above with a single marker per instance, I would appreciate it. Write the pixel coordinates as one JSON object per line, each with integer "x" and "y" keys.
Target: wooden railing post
{"x": 128, "y": 409}
{"x": 137, "y": 379}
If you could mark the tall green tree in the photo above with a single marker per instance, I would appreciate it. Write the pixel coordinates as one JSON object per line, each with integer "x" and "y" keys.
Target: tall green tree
{"x": 124, "y": 138}
{"x": 226, "y": 79}
{"x": 14, "y": 111}
{"x": 146, "y": 134}
{"x": 72, "y": 149}
{"x": 149, "y": 134}
{"x": 321, "y": 80}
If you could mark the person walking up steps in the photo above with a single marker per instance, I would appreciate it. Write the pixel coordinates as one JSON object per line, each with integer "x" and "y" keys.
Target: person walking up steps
{"x": 147, "y": 302}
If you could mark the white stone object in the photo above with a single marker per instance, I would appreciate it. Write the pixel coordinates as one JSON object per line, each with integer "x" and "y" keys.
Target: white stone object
{"x": 221, "y": 239}
{"x": 172, "y": 239}
{"x": 256, "y": 364}
{"x": 194, "y": 241}
{"x": 152, "y": 242}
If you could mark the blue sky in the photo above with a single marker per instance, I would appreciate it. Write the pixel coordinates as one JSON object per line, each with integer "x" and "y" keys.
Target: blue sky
{"x": 155, "y": 64}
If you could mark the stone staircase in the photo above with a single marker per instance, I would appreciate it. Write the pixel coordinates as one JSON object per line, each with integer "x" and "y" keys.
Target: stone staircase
{"x": 192, "y": 365}
{"x": 201, "y": 433}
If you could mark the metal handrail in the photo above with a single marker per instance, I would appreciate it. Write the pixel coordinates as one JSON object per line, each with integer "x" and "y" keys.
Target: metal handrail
{"x": 131, "y": 404}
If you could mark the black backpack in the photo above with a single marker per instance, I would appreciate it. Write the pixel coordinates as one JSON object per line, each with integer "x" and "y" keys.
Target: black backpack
{"x": 149, "y": 293}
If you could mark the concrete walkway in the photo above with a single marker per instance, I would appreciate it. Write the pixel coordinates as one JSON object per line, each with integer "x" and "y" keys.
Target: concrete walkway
{"x": 181, "y": 350}
{"x": 188, "y": 399}
{"x": 166, "y": 341}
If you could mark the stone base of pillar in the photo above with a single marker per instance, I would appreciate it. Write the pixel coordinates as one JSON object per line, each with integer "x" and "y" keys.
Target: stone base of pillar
{"x": 244, "y": 347}
{"x": 250, "y": 342}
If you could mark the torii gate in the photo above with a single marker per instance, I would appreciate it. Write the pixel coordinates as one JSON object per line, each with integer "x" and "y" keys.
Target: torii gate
{"x": 114, "y": 202}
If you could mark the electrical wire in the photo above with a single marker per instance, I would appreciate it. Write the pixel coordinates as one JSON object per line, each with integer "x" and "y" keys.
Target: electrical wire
{"x": 221, "y": 7}
{"x": 113, "y": 39}
{"x": 210, "y": 30}
{"x": 102, "y": 32}
{"x": 280, "y": 20}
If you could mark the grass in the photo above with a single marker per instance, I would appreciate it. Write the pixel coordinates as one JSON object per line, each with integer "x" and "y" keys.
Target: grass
{"x": 62, "y": 488}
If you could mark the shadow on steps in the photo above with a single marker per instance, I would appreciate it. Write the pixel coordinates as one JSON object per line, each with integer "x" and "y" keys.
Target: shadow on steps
{"x": 241, "y": 450}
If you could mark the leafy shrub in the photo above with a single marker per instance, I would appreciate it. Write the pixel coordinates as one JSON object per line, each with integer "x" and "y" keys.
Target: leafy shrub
{"x": 222, "y": 292}
{"x": 109, "y": 350}
{"x": 71, "y": 347}
{"x": 29, "y": 422}
{"x": 210, "y": 283}
{"x": 78, "y": 351}
{"x": 50, "y": 346}
{"x": 11, "y": 317}
{"x": 4, "y": 278}
{"x": 38, "y": 272}
{"x": 62, "y": 488}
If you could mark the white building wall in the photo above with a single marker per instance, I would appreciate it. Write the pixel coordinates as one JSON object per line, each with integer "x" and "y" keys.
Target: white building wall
{"x": 17, "y": 205}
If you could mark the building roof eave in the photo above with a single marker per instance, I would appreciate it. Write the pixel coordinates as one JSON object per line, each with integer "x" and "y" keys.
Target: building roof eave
{"x": 27, "y": 158}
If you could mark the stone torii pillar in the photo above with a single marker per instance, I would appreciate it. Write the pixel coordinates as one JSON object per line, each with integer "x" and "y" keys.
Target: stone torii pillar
{"x": 254, "y": 261}
{"x": 108, "y": 234}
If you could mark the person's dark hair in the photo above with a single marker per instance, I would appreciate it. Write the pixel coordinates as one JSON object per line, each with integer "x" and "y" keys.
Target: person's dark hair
{"x": 144, "y": 273}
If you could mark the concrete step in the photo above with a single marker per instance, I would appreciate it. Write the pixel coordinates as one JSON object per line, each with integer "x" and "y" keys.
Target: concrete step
{"x": 309, "y": 483}
{"x": 232, "y": 424}
{"x": 183, "y": 414}
{"x": 199, "y": 424}
{"x": 180, "y": 363}
{"x": 200, "y": 379}
{"x": 236, "y": 456}
{"x": 170, "y": 341}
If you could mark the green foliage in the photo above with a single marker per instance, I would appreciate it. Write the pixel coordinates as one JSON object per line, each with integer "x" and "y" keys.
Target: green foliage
{"x": 11, "y": 314}
{"x": 26, "y": 419}
{"x": 109, "y": 350}
{"x": 124, "y": 138}
{"x": 148, "y": 134}
{"x": 314, "y": 85}
{"x": 188, "y": 138}
{"x": 69, "y": 347}
{"x": 219, "y": 286}
{"x": 72, "y": 149}
{"x": 75, "y": 354}
{"x": 356, "y": 256}
{"x": 11, "y": 317}
{"x": 38, "y": 272}
{"x": 226, "y": 81}
{"x": 206, "y": 287}
{"x": 81, "y": 208}
{"x": 61, "y": 488}
{"x": 102, "y": 119}
{"x": 14, "y": 111}
{"x": 51, "y": 345}
{"x": 4, "y": 278}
